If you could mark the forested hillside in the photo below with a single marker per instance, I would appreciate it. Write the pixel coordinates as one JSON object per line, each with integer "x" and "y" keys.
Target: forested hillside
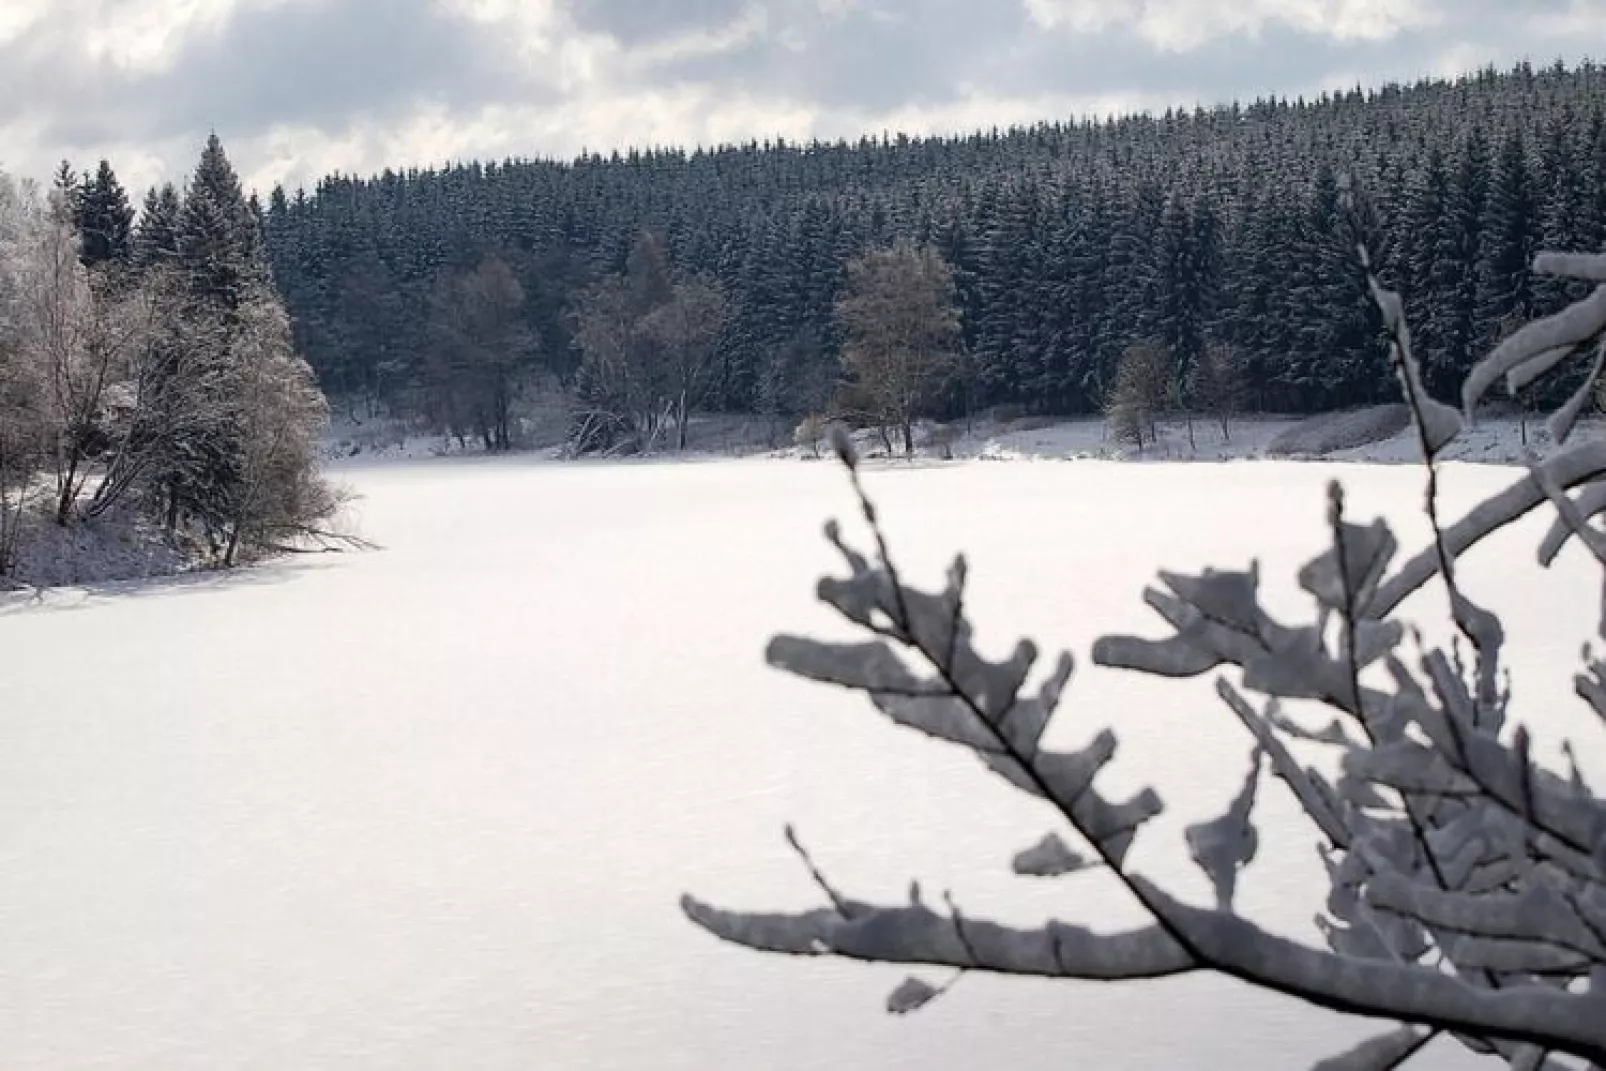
{"x": 1070, "y": 243}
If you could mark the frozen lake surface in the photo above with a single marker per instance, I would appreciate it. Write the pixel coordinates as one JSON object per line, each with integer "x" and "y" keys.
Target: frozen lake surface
{"x": 433, "y": 807}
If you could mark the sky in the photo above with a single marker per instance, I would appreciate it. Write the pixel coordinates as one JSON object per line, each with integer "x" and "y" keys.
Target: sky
{"x": 300, "y": 88}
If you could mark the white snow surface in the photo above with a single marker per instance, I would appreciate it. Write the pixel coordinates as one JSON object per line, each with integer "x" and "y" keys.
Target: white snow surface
{"x": 433, "y": 806}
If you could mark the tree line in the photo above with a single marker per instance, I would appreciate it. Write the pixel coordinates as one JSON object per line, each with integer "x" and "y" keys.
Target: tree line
{"x": 147, "y": 367}
{"x": 1214, "y": 239}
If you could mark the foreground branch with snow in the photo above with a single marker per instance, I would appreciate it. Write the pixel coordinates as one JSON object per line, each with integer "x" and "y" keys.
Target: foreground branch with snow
{"x": 1467, "y": 883}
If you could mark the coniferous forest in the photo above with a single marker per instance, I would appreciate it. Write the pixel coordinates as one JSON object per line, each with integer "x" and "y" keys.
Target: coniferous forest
{"x": 1221, "y": 230}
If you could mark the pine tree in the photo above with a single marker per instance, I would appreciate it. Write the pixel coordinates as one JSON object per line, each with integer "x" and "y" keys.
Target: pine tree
{"x": 1430, "y": 283}
{"x": 1459, "y": 279}
{"x": 236, "y": 352}
{"x": 66, "y": 188}
{"x": 155, "y": 241}
{"x": 104, "y": 219}
{"x": 218, "y": 237}
{"x": 1509, "y": 241}
{"x": 1178, "y": 297}
{"x": 1560, "y": 197}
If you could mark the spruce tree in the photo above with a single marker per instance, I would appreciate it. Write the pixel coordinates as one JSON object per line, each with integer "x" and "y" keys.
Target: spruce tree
{"x": 1509, "y": 241}
{"x": 1431, "y": 282}
{"x": 155, "y": 241}
{"x": 218, "y": 233}
{"x": 1178, "y": 296}
{"x": 104, "y": 218}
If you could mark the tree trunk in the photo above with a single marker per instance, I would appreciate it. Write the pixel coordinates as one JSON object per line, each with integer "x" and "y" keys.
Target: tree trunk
{"x": 908, "y": 438}
{"x": 68, "y": 494}
{"x": 680, "y": 423}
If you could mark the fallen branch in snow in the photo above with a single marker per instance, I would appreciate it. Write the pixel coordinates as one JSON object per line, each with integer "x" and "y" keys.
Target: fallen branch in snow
{"x": 1468, "y": 884}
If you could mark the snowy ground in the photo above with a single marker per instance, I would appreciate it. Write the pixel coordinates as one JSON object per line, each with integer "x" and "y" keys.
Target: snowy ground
{"x": 432, "y": 807}
{"x": 117, "y": 547}
{"x": 1492, "y": 440}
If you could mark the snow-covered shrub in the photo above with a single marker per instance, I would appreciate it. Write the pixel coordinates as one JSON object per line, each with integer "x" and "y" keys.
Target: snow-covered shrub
{"x": 1468, "y": 883}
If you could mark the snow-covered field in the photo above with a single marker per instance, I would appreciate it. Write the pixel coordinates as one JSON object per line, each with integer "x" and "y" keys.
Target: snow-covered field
{"x": 432, "y": 807}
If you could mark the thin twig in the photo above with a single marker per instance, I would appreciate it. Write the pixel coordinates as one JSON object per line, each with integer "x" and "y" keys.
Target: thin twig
{"x": 838, "y": 901}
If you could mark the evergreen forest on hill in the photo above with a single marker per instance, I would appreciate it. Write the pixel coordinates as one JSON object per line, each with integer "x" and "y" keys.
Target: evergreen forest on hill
{"x": 1069, "y": 243}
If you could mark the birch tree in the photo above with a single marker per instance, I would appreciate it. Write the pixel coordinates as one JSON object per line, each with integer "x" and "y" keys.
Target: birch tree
{"x": 1467, "y": 892}
{"x": 21, "y": 388}
{"x": 81, "y": 338}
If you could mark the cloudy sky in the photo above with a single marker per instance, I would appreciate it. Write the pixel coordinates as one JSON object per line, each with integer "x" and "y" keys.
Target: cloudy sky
{"x": 298, "y": 88}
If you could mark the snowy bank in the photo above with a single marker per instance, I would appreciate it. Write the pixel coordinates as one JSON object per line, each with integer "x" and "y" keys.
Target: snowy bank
{"x": 1377, "y": 434}
{"x": 120, "y": 546}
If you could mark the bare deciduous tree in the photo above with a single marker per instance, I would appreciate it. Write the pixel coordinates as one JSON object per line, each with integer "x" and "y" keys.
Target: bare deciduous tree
{"x": 649, "y": 342}
{"x": 1143, "y": 385}
{"x": 1468, "y": 882}
{"x": 1217, "y": 383}
{"x": 160, "y": 404}
{"x": 900, "y": 316}
{"x": 686, "y": 331}
{"x": 617, "y": 379}
{"x": 482, "y": 348}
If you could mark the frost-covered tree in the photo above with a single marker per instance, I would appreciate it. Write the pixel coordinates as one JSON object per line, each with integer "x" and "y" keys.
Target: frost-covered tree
{"x": 279, "y": 498}
{"x": 80, "y": 338}
{"x": 1143, "y": 386}
{"x": 1467, "y": 892}
{"x": 24, "y": 434}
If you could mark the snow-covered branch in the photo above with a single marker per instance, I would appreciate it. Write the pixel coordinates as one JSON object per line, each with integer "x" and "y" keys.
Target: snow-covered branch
{"x": 1467, "y": 884}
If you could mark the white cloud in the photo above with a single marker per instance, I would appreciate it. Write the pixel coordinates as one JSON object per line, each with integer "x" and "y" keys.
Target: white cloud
{"x": 17, "y": 16}
{"x": 1181, "y": 25}
{"x": 145, "y": 36}
{"x": 1585, "y": 19}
